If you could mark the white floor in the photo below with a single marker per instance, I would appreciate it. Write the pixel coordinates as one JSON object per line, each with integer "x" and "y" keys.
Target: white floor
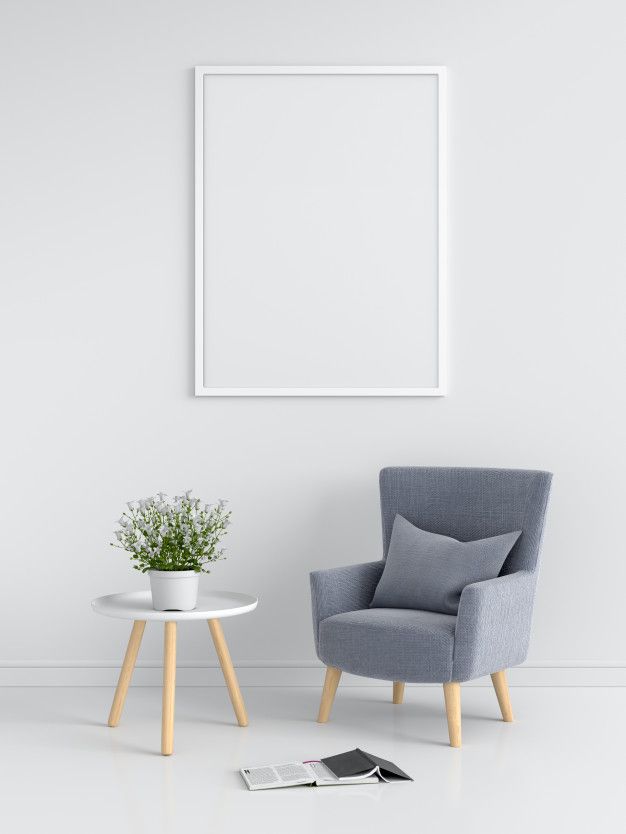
{"x": 559, "y": 767}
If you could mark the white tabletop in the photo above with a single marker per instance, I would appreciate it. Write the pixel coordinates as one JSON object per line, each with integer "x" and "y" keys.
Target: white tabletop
{"x": 137, "y": 605}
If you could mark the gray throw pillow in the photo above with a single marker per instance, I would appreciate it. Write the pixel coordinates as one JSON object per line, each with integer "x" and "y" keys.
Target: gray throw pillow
{"x": 427, "y": 572}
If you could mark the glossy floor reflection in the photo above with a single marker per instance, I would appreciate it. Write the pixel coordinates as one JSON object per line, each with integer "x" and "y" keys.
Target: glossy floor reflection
{"x": 558, "y": 767}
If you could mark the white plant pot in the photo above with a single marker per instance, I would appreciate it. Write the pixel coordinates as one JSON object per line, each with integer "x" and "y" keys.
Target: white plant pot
{"x": 174, "y": 590}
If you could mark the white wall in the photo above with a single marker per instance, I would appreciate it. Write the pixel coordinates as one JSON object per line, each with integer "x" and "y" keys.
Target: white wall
{"x": 96, "y": 173}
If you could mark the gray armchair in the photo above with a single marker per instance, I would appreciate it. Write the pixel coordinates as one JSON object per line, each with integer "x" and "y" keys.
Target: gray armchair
{"x": 491, "y": 631}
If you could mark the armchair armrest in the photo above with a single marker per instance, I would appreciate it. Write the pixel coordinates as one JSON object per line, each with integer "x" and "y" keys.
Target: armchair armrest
{"x": 493, "y": 625}
{"x": 338, "y": 590}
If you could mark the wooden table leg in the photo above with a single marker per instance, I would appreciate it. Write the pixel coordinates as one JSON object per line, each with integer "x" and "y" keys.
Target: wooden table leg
{"x": 169, "y": 688}
{"x": 230, "y": 677}
{"x": 126, "y": 672}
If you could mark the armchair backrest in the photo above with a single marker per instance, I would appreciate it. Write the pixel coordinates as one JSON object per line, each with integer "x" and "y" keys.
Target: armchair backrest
{"x": 469, "y": 504}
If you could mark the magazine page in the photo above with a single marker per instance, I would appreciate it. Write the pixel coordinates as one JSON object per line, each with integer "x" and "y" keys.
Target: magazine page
{"x": 278, "y": 776}
{"x": 324, "y": 776}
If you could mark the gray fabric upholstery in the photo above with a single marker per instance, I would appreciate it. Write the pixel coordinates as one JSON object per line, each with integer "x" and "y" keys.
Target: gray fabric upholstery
{"x": 428, "y": 571}
{"x": 469, "y": 504}
{"x": 381, "y": 642}
{"x": 338, "y": 590}
{"x": 492, "y": 628}
{"x": 493, "y": 625}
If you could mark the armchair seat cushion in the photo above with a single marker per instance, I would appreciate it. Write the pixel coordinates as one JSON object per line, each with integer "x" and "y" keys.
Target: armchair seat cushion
{"x": 395, "y": 644}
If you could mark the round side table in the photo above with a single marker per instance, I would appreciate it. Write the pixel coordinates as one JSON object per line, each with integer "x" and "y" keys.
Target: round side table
{"x": 212, "y": 606}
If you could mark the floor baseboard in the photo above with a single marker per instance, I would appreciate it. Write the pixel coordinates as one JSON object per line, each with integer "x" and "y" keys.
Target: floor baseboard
{"x": 273, "y": 673}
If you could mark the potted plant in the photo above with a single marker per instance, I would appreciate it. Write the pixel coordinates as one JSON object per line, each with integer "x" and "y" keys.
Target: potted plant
{"x": 173, "y": 540}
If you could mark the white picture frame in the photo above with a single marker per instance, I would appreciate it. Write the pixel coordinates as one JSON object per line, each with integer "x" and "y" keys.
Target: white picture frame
{"x": 435, "y": 387}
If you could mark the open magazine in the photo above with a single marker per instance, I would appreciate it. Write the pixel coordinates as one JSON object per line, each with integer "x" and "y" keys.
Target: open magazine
{"x": 352, "y": 768}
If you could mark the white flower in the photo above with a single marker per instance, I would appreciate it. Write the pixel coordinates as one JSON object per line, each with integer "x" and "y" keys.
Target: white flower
{"x": 188, "y": 494}
{"x": 223, "y": 502}
{"x": 130, "y": 505}
{"x": 118, "y": 535}
{"x": 226, "y": 524}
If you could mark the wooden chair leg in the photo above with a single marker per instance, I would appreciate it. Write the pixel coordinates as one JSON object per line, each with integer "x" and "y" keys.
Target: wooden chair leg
{"x": 126, "y": 672}
{"x": 398, "y": 692}
{"x": 169, "y": 688}
{"x": 331, "y": 682}
{"x": 502, "y": 693}
{"x": 228, "y": 670}
{"x": 452, "y": 696}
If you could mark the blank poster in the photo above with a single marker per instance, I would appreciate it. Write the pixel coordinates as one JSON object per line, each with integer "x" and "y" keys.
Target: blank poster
{"x": 320, "y": 250}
